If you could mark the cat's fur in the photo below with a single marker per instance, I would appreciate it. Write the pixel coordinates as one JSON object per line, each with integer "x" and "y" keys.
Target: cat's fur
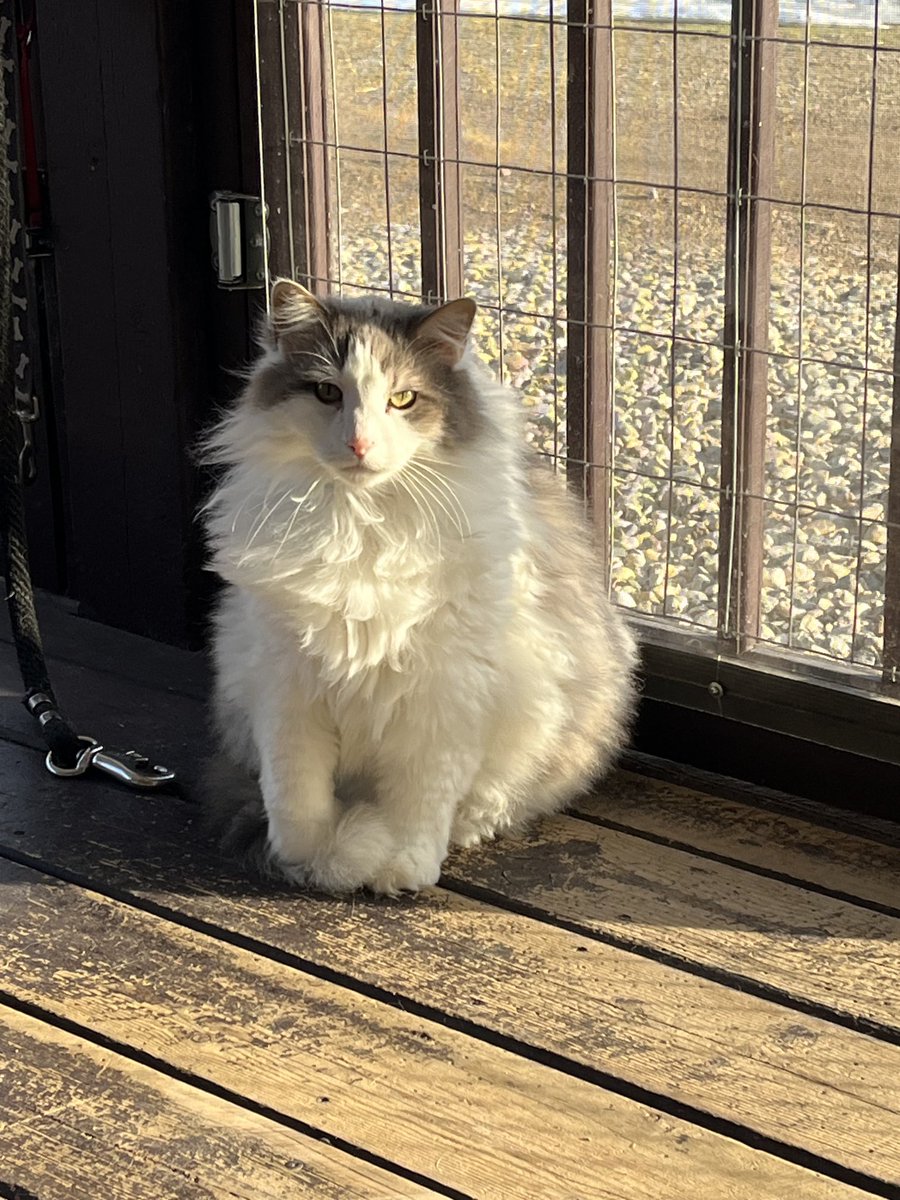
{"x": 418, "y": 621}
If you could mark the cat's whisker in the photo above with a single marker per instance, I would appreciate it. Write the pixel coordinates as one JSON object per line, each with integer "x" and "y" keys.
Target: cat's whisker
{"x": 260, "y": 524}
{"x": 288, "y": 530}
{"x": 442, "y": 462}
{"x": 416, "y": 497}
{"x": 315, "y": 356}
{"x": 437, "y": 488}
{"x": 448, "y": 512}
{"x": 240, "y": 510}
{"x": 432, "y": 494}
{"x": 441, "y": 479}
{"x": 421, "y": 502}
{"x": 261, "y": 510}
{"x": 309, "y": 491}
{"x": 326, "y": 326}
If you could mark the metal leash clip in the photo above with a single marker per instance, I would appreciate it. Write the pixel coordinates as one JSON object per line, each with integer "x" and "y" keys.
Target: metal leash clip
{"x": 128, "y": 766}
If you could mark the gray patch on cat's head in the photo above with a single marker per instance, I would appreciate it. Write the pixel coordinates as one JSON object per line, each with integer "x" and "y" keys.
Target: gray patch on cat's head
{"x": 313, "y": 337}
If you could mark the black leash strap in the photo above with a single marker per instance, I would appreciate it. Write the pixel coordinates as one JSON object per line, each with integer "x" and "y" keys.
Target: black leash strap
{"x": 68, "y": 753}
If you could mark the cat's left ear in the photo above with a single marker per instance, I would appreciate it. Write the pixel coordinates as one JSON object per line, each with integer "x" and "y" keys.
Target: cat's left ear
{"x": 447, "y": 329}
{"x": 292, "y": 305}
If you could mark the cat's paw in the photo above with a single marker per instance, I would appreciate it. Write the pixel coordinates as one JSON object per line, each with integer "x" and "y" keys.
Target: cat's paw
{"x": 359, "y": 846}
{"x": 470, "y": 831}
{"x": 411, "y": 869}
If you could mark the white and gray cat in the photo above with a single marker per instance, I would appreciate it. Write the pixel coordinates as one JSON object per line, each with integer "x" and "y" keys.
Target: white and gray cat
{"x": 414, "y": 649}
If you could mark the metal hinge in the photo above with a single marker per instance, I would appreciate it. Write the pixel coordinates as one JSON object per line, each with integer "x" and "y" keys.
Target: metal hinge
{"x": 237, "y": 233}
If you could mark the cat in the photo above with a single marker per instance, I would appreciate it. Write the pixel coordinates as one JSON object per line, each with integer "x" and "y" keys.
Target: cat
{"x": 414, "y": 648}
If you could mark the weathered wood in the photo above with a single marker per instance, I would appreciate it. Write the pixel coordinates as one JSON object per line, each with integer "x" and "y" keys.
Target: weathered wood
{"x": 669, "y": 1032}
{"x": 786, "y": 1075}
{"x": 468, "y": 1115}
{"x": 822, "y": 950}
{"x": 880, "y": 830}
{"x": 160, "y": 723}
{"x": 78, "y": 1122}
{"x": 760, "y": 837}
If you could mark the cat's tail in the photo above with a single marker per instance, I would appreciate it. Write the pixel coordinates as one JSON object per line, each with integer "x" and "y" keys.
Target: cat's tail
{"x": 233, "y": 813}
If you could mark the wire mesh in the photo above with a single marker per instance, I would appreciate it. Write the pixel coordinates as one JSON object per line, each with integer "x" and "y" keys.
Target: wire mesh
{"x": 817, "y": 239}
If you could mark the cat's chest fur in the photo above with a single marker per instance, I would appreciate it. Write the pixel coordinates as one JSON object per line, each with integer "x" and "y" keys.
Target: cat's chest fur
{"x": 362, "y": 590}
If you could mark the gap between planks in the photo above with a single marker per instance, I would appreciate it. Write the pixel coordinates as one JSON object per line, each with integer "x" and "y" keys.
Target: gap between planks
{"x": 467, "y": 1115}
{"x": 668, "y": 1032}
{"x": 78, "y": 1121}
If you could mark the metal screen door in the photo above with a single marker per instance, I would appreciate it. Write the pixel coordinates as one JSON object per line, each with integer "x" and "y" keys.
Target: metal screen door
{"x": 680, "y": 221}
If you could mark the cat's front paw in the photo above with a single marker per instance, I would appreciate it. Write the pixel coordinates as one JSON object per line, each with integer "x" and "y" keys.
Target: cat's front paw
{"x": 469, "y": 831}
{"x": 411, "y": 869}
{"x": 344, "y": 860}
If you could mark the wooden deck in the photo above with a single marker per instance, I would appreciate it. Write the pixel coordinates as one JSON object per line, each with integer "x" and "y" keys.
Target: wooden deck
{"x": 666, "y": 995}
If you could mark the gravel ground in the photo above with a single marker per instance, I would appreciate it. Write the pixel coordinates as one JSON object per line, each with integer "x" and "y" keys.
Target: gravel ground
{"x": 828, "y": 431}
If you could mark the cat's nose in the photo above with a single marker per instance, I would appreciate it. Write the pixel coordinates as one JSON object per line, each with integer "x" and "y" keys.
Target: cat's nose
{"x": 360, "y": 446}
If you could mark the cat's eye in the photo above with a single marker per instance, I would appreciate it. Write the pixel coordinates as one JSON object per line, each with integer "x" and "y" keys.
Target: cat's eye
{"x": 328, "y": 393}
{"x": 403, "y": 399}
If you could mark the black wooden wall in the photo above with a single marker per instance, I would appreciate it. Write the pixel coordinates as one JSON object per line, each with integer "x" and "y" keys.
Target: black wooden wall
{"x": 144, "y": 108}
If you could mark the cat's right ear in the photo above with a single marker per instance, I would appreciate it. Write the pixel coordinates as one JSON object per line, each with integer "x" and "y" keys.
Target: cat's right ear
{"x": 447, "y": 329}
{"x": 292, "y": 306}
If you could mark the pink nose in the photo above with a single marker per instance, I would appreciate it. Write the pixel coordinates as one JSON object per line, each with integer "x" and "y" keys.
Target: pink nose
{"x": 360, "y": 446}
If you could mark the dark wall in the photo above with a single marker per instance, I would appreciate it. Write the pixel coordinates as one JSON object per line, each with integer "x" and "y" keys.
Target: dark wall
{"x": 140, "y": 114}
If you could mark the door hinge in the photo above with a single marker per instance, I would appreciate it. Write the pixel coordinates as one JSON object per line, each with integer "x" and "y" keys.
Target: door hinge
{"x": 237, "y": 233}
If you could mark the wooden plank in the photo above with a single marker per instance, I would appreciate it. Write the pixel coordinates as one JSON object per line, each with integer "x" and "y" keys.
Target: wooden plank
{"x": 760, "y": 837}
{"x": 787, "y": 1076}
{"x": 471, "y": 1116}
{"x": 821, "y": 950}
{"x": 78, "y": 1122}
{"x": 164, "y": 724}
{"x": 816, "y": 948}
{"x": 812, "y": 812}
{"x": 784, "y": 1075}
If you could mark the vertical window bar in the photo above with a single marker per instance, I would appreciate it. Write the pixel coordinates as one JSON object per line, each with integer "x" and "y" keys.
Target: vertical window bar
{"x": 498, "y": 226}
{"x": 554, "y": 221}
{"x": 292, "y": 102}
{"x": 313, "y": 262}
{"x": 273, "y": 145}
{"x": 673, "y": 317}
{"x": 867, "y": 359}
{"x": 440, "y": 185}
{"x": 891, "y": 657}
{"x": 590, "y": 249}
{"x": 389, "y": 227}
{"x": 751, "y": 155}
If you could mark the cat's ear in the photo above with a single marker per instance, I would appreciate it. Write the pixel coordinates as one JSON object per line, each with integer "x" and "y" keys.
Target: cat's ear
{"x": 446, "y": 329}
{"x": 292, "y": 305}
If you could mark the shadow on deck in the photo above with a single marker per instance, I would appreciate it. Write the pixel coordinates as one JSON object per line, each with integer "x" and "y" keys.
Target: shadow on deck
{"x": 664, "y": 995}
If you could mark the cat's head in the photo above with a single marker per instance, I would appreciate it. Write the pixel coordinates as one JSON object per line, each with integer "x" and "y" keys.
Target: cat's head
{"x": 362, "y": 386}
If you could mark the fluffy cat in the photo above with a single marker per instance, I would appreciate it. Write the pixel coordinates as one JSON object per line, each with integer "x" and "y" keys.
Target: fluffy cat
{"x": 414, "y": 648}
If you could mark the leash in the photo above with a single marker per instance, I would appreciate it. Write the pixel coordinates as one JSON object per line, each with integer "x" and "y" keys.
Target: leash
{"x": 68, "y": 753}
